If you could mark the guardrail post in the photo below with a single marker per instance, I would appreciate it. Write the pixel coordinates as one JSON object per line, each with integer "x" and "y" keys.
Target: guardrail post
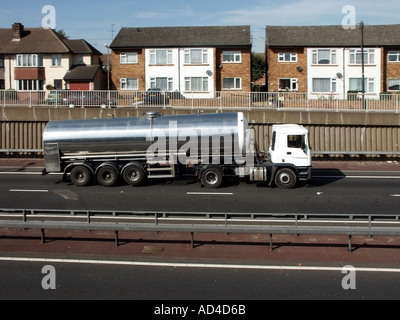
{"x": 43, "y": 240}
{"x": 116, "y": 239}
{"x": 270, "y": 242}
{"x": 350, "y": 249}
{"x": 191, "y": 240}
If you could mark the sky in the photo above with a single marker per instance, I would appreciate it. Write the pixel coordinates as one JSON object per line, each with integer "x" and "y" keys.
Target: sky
{"x": 99, "y": 21}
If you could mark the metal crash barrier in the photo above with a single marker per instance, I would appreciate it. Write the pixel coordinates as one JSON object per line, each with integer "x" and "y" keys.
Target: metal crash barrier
{"x": 203, "y": 222}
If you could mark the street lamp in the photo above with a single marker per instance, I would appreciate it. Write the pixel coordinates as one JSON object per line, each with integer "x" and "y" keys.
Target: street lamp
{"x": 362, "y": 66}
{"x": 108, "y": 67}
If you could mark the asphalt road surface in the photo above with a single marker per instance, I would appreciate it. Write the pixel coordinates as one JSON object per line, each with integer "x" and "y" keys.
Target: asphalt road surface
{"x": 163, "y": 267}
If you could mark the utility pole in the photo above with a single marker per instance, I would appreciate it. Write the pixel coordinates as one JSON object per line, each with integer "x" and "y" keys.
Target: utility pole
{"x": 362, "y": 66}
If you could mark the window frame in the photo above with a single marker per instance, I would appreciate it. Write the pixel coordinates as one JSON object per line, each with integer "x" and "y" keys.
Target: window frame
{"x": 292, "y": 57}
{"x": 316, "y": 61}
{"x": 235, "y": 82}
{"x": 124, "y": 58}
{"x": 124, "y": 84}
{"x": 293, "y": 81}
{"x": 188, "y": 60}
{"x": 237, "y": 56}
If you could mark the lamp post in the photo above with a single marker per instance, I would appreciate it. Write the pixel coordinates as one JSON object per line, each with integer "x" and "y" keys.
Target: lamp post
{"x": 108, "y": 67}
{"x": 362, "y": 66}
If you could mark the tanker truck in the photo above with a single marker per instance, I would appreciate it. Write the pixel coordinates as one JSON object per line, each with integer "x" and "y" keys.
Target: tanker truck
{"x": 207, "y": 148}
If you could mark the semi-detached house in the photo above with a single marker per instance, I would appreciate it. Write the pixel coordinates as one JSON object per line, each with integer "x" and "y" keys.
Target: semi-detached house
{"x": 37, "y": 58}
{"x": 191, "y": 60}
{"x": 326, "y": 61}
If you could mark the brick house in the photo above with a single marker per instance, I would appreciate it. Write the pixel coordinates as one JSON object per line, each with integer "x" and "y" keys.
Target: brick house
{"x": 195, "y": 60}
{"x": 326, "y": 61}
{"x": 36, "y": 58}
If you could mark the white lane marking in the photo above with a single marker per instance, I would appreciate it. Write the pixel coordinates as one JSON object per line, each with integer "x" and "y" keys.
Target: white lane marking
{"x": 357, "y": 177}
{"x": 395, "y": 195}
{"x": 192, "y": 265}
{"x": 25, "y": 190}
{"x": 209, "y": 194}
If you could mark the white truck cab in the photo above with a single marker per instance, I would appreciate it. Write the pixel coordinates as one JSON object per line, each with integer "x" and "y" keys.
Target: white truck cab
{"x": 290, "y": 148}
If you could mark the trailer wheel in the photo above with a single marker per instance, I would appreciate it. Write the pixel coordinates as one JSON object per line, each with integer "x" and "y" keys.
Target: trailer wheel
{"x": 134, "y": 175}
{"x": 285, "y": 179}
{"x": 107, "y": 176}
{"x": 81, "y": 176}
{"x": 212, "y": 178}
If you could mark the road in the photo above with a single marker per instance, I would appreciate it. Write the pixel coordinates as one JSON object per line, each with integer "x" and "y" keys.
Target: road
{"x": 302, "y": 267}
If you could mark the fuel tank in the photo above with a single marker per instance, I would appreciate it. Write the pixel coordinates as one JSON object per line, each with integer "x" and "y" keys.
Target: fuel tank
{"x": 136, "y": 135}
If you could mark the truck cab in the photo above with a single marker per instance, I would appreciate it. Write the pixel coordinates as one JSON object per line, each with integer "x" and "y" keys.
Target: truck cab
{"x": 290, "y": 148}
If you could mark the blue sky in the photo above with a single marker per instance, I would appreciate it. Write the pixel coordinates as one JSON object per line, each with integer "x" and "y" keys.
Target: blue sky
{"x": 94, "y": 21}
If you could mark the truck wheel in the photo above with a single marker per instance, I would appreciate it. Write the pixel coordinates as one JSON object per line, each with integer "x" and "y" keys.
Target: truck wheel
{"x": 134, "y": 175}
{"x": 107, "y": 176}
{"x": 212, "y": 178}
{"x": 81, "y": 176}
{"x": 285, "y": 179}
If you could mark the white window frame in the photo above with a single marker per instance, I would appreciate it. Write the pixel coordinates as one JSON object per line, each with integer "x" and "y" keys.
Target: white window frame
{"x": 237, "y": 83}
{"x": 369, "y": 84}
{"x": 287, "y": 57}
{"x": 29, "y": 85}
{"x": 188, "y": 84}
{"x": 56, "y": 60}
{"x": 190, "y": 60}
{"x": 29, "y": 61}
{"x": 394, "y": 83}
{"x": 125, "y": 82}
{"x": 368, "y": 60}
{"x": 124, "y": 58}
{"x": 170, "y": 83}
{"x": 293, "y": 84}
{"x": 155, "y": 59}
{"x": 395, "y": 54}
{"x": 316, "y": 57}
{"x": 237, "y": 56}
{"x": 332, "y": 85}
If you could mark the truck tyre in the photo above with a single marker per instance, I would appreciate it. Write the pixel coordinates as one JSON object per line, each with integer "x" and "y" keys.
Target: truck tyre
{"x": 285, "y": 179}
{"x": 134, "y": 175}
{"x": 81, "y": 176}
{"x": 212, "y": 178}
{"x": 107, "y": 176}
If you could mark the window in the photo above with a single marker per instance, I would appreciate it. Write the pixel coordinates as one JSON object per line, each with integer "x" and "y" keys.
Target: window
{"x": 2, "y": 84}
{"x": 394, "y": 56}
{"x": 161, "y": 57}
{"x": 56, "y": 60}
{"x": 356, "y": 84}
{"x": 324, "y": 85}
{"x": 232, "y": 57}
{"x": 394, "y": 84}
{"x": 288, "y": 84}
{"x": 196, "y": 56}
{"x": 287, "y": 57}
{"x": 129, "y": 58}
{"x": 196, "y": 84}
{"x": 355, "y": 57}
{"x": 1, "y": 61}
{"x": 129, "y": 84}
{"x": 296, "y": 141}
{"x": 232, "y": 83}
{"x": 324, "y": 56}
{"x": 58, "y": 84}
{"x": 165, "y": 84}
{"x": 29, "y": 60}
{"x": 31, "y": 85}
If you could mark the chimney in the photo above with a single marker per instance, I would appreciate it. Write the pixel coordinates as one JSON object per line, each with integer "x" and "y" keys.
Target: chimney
{"x": 18, "y": 31}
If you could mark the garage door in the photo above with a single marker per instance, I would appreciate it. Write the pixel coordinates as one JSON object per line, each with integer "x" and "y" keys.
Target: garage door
{"x": 79, "y": 86}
